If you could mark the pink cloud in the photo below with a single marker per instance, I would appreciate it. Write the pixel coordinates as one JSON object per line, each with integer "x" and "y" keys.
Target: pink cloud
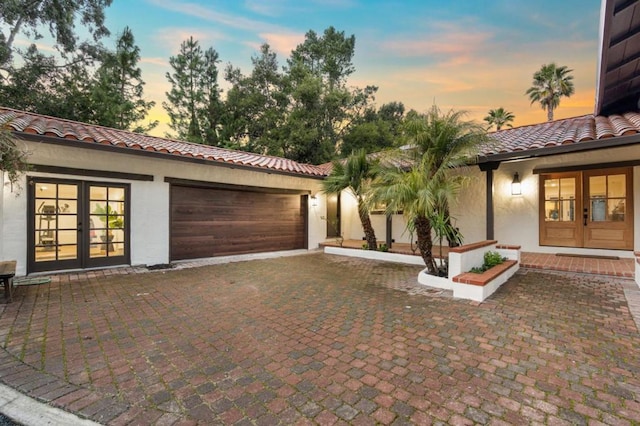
{"x": 283, "y": 43}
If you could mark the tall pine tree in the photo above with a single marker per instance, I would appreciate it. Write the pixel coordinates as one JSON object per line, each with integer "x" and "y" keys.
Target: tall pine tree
{"x": 117, "y": 95}
{"x": 193, "y": 103}
{"x": 256, "y": 105}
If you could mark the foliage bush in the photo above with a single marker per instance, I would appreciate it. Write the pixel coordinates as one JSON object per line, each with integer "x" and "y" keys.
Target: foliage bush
{"x": 491, "y": 259}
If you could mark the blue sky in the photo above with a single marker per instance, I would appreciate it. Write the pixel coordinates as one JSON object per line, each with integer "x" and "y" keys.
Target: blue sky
{"x": 467, "y": 54}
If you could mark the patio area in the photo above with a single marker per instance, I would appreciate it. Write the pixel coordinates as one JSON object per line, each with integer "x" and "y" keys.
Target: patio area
{"x": 622, "y": 267}
{"x": 320, "y": 339}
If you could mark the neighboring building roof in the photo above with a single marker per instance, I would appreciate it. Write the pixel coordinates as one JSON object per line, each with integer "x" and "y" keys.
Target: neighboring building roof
{"x": 29, "y": 123}
{"x": 568, "y": 131}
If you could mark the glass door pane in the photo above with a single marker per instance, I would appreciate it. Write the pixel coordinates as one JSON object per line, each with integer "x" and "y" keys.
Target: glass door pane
{"x": 106, "y": 221}
{"x": 560, "y": 200}
{"x": 607, "y": 198}
{"x": 56, "y": 222}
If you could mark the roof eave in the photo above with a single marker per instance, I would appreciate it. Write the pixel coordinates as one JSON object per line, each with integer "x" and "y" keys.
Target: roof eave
{"x": 155, "y": 154}
{"x": 606, "y": 15}
{"x": 594, "y": 145}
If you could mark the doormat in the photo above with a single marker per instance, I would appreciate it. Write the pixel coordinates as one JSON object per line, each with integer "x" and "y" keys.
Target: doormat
{"x": 31, "y": 280}
{"x": 160, "y": 266}
{"x": 588, "y": 256}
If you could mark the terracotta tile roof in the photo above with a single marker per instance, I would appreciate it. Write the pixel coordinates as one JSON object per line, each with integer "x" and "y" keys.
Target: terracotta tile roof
{"x": 30, "y": 123}
{"x": 562, "y": 132}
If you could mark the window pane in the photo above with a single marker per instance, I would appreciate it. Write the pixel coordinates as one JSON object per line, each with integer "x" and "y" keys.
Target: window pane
{"x": 552, "y": 210}
{"x": 99, "y": 250}
{"x": 598, "y": 210}
{"x": 116, "y": 194}
{"x": 616, "y": 210}
{"x": 67, "y": 206}
{"x": 551, "y": 189}
{"x": 46, "y": 207}
{"x": 67, "y": 237}
{"x": 98, "y": 193}
{"x": 68, "y": 191}
{"x": 597, "y": 186}
{"x": 117, "y": 249}
{"x": 568, "y": 188}
{"x": 67, "y": 222}
{"x": 567, "y": 213}
{"x": 47, "y": 190}
{"x": 68, "y": 252}
{"x": 617, "y": 186}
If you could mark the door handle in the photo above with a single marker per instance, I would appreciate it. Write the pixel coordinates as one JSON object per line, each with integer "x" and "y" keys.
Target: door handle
{"x": 585, "y": 216}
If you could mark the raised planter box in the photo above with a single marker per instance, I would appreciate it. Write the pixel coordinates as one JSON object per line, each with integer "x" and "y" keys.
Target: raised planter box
{"x": 375, "y": 255}
{"x": 480, "y": 286}
{"x": 477, "y": 287}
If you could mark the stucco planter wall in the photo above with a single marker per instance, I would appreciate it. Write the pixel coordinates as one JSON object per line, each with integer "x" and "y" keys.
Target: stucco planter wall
{"x": 462, "y": 259}
{"x": 375, "y": 255}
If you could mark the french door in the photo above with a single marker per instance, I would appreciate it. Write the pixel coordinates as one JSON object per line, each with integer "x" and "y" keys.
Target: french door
{"x": 591, "y": 209}
{"x": 77, "y": 224}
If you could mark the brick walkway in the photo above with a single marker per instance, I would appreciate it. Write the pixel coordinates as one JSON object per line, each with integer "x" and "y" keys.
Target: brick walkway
{"x": 319, "y": 339}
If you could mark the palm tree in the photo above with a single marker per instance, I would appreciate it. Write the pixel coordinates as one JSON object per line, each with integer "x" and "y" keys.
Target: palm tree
{"x": 355, "y": 173}
{"x": 442, "y": 143}
{"x": 551, "y": 83}
{"x": 499, "y": 117}
{"x": 419, "y": 192}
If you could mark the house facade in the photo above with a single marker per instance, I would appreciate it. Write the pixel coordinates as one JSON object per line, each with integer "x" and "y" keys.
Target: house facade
{"x": 579, "y": 190}
{"x": 97, "y": 197}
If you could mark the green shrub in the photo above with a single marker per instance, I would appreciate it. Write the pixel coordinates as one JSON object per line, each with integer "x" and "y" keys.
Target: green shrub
{"x": 383, "y": 247}
{"x": 491, "y": 259}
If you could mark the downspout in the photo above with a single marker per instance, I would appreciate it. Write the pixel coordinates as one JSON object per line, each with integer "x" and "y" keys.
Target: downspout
{"x": 488, "y": 168}
{"x": 389, "y": 231}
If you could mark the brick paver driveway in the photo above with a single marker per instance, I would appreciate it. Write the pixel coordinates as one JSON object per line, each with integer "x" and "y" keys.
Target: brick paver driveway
{"x": 323, "y": 339}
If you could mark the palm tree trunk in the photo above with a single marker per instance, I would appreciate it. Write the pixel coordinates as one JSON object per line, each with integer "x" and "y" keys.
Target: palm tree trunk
{"x": 425, "y": 243}
{"x": 369, "y": 233}
{"x": 550, "y": 113}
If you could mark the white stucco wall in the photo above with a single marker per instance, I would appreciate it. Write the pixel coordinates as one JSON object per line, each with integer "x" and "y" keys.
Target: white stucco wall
{"x": 352, "y": 227}
{"x": 516, "y": 217}
{"x": 468, "y": 210}
{"x": 149, "y": 199}
{"x": 516, "y": 220}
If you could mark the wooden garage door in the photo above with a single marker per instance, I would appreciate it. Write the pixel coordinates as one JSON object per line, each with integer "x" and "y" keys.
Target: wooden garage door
{"x": 207, "y": 222}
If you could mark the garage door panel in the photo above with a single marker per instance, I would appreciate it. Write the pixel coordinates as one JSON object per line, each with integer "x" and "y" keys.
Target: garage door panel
{"x": 209, "y": 222}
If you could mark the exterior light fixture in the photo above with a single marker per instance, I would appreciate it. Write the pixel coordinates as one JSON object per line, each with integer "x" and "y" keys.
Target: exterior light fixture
{"x": 516, "y": 186}
{"x": 314, "y": 201}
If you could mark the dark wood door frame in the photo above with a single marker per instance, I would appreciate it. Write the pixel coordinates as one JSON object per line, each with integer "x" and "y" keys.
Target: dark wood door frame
{"x": 83, "y": 238}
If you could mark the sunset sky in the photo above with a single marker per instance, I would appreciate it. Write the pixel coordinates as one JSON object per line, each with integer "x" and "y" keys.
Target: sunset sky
{"x": 472, "y": 55}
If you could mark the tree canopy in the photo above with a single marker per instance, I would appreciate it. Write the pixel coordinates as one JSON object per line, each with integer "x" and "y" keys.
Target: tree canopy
{"x": 550, "y": 84}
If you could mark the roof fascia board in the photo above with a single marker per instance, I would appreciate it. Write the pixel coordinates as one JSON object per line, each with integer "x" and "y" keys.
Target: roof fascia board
{"x": 160, "y": 155}
{"x": 234, "y": 187}
{"x": 614, "y": 142}
{"x": 606, "y": 16}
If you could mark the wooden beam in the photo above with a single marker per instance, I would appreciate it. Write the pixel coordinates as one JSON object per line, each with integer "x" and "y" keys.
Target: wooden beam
{"x": 488, "y": 168}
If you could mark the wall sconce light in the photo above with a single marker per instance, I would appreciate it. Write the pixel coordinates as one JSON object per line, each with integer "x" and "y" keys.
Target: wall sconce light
{"x": 516, "y": 186}
{"x": 314, "y": 201}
